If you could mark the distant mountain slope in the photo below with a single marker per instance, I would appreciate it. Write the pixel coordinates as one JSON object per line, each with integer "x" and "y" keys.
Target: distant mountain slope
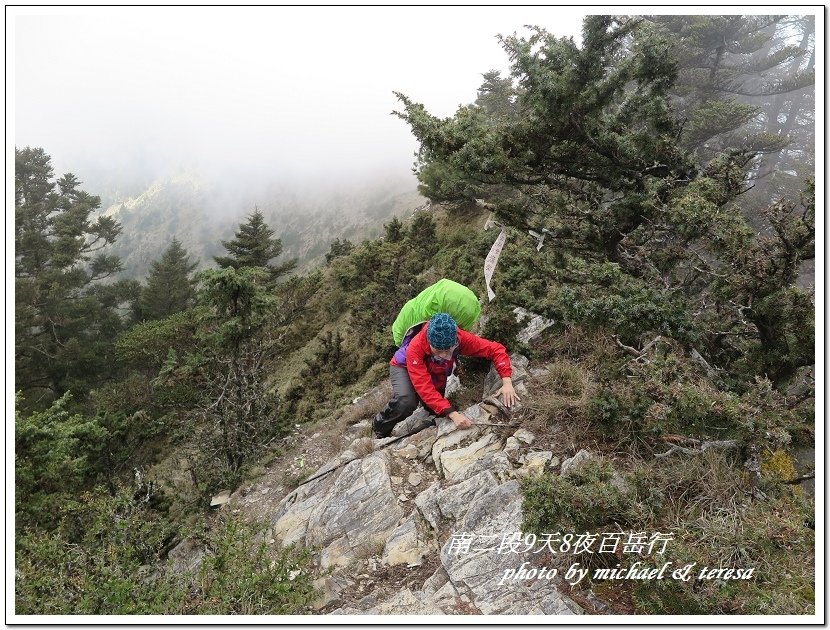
{"x": 201, "y": 214}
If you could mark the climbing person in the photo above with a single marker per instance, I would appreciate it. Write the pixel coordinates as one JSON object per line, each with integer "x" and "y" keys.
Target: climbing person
{"x": 445, "y": 296}
{"x": 420, "y": 368}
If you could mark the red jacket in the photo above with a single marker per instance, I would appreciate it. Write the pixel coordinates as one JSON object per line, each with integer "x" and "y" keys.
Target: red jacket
{"x": 429, "y": 377}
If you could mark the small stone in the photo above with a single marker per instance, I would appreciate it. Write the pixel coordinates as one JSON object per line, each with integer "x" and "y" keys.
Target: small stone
{"x": 316, "y": 435}
{"x": 523, "y": 435}
{"x": 535, "y": 463}
{"x": 415, "y": 479}
{"x": 327, "y": 593}
{"x": 221, "y": 498}
{"x": 396, "y": 480}
{"x": 410, "y": 451}
{"x": 574, "y": 462}
{"x": 403, "y": 498}
{"x": 512, "y": 444}
{"x": 543, "y": 456}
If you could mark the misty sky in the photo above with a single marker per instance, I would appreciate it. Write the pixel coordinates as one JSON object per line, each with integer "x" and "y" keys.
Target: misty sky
{"x": 295, "y": 91}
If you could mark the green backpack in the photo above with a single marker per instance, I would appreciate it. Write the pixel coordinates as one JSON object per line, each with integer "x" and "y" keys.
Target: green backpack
{"x": 445, "y": 296}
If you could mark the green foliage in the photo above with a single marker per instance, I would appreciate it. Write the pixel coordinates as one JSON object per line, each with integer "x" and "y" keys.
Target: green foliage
{"x": 94, "y": 562}
{"x": 169, "y": 288}
{"x": 630, "y": 313}
{"x": 53, "y": 459}
{"x": 59, "y": 454}
{"x": 586, "y": 500}
{"x": 65, "y": 319}
{"x": 394, "y": 231}
{"x": 254, "y": 246}
{"x": 147, "y": 345}
{"x": 105, "y": 558}
{"x": 422, "y": 234}
{"x": 501, "y": 326}
{"x": 242, "y": 575}
{"x": 339, "y": 248}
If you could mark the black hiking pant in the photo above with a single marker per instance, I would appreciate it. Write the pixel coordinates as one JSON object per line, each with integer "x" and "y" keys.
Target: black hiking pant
{"x": 404, "y": 401}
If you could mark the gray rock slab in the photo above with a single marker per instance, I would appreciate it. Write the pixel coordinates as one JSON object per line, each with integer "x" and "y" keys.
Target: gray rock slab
{"x": 523, "y": 435}
{"x": 450, "y": 441}
{"x": 446, "y": 507}
{"x": 407, "y": 544}
{"x": 359, "y": 504}
{"x": 435, "y": 581}
{"x": 455, "y": 462}
{"x": 572, "y": 463}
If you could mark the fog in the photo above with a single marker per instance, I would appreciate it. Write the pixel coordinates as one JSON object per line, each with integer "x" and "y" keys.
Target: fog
{"x": 295, "y": 95}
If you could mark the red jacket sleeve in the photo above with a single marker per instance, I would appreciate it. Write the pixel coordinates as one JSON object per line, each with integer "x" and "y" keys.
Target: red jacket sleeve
{"x": 469, "y": 345}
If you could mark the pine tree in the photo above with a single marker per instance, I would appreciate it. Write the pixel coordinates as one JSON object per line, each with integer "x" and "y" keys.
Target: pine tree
{"x": 169, "y": 288}
{"x": 65, "y": 318}
{"x": 254, "y": 246}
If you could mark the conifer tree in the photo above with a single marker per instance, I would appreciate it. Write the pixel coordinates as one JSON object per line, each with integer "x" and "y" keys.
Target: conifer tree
{"x": 394, "y": 230}
{"x": 496, "y": 96}
{"x": 65, "y": 319}
{"x": 339, "y": 248}
{"x": 169, "y": 288}
{"x": 729, "y": 67}
{"x": 234, "y": 346}
{"x": 595, "y": 158}
{"x": 254, "y": 246}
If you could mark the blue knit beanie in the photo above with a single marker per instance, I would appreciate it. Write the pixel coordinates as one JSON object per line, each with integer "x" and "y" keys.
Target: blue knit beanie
{"x": 441, "y": 331}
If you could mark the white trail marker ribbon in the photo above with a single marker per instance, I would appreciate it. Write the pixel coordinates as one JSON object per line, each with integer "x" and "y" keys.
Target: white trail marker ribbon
{"x": 493, "y": 258}
{"x": 540, "y": 238}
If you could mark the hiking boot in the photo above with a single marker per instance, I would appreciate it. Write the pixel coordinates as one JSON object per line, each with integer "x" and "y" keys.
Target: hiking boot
{"x": 377, "y": 432}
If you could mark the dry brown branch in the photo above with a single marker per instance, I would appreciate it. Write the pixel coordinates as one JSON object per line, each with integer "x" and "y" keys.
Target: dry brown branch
{"x": 753, "y": 465}
{"x": 711, "y": 372}
{"x": 702, "y": 446}
{"x": 632, "y": 351}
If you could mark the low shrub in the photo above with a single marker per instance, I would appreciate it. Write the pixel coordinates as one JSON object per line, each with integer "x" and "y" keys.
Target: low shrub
{"x": 583, "y": 501}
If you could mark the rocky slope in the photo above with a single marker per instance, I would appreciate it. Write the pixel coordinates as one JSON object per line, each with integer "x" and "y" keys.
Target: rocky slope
{"x": 413, "y": 524}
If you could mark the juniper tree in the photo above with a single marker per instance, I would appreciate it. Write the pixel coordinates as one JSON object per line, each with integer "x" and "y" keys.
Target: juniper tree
{"x": 594, "y": 156}
{"x": 591, "y": 152}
